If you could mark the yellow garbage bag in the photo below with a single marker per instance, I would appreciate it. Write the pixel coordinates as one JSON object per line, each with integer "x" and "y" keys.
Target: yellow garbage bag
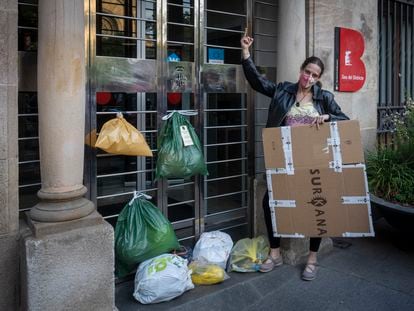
{"x": 90, "y": 139}
{"x": 117, "y": 136}
{"x": 203, "y": 273}
{"x": 248, "y": 254}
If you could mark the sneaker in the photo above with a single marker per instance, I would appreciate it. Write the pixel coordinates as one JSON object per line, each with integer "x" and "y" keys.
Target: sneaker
{"x": 309, "y": 273}
{"x": 270, "y": 263}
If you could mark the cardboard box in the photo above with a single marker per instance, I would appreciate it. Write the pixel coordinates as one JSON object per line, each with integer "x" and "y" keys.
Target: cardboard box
{"x": 317, "y": 181}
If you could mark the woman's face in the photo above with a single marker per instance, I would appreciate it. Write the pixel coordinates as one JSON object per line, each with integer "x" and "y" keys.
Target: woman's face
{"x": 309, "y": 75}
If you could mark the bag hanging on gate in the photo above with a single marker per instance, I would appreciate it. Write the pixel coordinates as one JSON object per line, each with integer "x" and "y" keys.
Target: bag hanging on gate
{"x": 179, "y": 149}
{"x": 141, "y": 232}
{"x": 117, "y": 136}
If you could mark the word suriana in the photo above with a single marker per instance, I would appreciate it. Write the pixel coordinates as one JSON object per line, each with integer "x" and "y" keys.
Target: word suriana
{"x": 318, "y": 201}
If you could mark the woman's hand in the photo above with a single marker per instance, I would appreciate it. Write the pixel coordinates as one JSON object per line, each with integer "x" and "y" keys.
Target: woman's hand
{"x": 320, "y": 120}
{"x": 245, "y": 44}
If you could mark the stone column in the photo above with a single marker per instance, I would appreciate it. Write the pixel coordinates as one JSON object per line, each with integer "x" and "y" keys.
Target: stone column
{"x": 61, "y": 102}
{"x": 291, "y": 39}
{"x": 67, "y": 258}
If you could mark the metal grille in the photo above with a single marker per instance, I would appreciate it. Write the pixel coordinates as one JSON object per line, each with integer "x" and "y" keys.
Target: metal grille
{"x": 396, "y": 61}
{"x": 118, "y": 176}
{"x": 265, "y": 35}
{"x": 121, "y": 33}
{"x": 29, "y": 164}
{"x": 146, "y": 81}
{"x": 122, "y": 27}
{"x": 225, "y": 190}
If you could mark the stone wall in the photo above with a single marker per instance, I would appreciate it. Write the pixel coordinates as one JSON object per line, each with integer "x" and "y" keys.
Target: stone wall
{"x": 324, "y": 16}
{"x": 69, "y": 270}
{"x": 8, "y": 156}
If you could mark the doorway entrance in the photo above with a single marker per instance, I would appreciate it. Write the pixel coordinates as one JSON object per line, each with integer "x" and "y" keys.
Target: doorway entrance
{"x": 147, "y": 58}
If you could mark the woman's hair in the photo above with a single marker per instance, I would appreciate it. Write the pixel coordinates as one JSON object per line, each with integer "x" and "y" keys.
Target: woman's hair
{"x": 317, "y": 61}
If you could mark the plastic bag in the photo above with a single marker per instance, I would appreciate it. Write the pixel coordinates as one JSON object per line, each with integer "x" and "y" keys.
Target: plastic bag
{"x": 213, "y": 247}
{"x": 161, "y": 279}
{"x": 248, "y": 254}
{"x": 179, "y": 150}
{"x": 117, "y": 136}
{"x": 203, "y": 273}
{"x": 185, "y": 252}
{"x": 141, "y": 232}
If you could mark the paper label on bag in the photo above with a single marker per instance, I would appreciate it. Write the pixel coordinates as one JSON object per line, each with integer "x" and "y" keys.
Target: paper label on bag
{"x": 185, "y": 135}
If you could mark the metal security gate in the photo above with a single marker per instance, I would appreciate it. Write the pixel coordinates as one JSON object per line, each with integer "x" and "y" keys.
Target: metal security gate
{"x": 28, "y": 136}
{"x": 264, "y": 29}
{"x": 147, "y": 58}
{"x": 396, "y": 62}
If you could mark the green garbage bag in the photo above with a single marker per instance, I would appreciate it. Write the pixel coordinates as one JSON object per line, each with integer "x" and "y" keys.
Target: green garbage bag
{"x": 248, "y": 254}
{"x": 141, "y": 232}
{"x": 179, "y": 149}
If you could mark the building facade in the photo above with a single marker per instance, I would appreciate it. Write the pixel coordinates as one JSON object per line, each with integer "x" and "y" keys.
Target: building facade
{"x": 67, "y": 67}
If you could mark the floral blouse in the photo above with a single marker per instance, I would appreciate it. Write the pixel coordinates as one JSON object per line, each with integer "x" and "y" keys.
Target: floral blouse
{"x": 304, "y": 114}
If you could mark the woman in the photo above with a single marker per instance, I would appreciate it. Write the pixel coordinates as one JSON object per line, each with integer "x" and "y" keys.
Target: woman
{"x": 303, "y": 102}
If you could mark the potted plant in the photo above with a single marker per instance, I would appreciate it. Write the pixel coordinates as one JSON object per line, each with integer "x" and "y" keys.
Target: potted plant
{"x": 390, "y": 172}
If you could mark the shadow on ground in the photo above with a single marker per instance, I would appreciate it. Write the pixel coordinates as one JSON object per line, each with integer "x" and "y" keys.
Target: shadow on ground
{"x": 359, "y": 274}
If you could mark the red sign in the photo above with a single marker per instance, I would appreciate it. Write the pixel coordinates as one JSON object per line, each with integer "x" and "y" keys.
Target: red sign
{"x": 174, "y": 98}
{"x": 103, "y": 98}
{"x": 350, "y": 71}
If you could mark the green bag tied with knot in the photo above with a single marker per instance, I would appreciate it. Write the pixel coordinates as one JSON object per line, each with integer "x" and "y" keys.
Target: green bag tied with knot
{"x": 142, "y": 232}
{"x": 179, "y": 150}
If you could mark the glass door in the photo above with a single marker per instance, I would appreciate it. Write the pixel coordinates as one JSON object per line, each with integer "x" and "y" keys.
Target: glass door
{"x": 225, "y": 118}
{"x": 122, "y": 78}
{"x": 147, "y": 58}
{"x": 180, "y": 198}
{"x": 28, "y": 138}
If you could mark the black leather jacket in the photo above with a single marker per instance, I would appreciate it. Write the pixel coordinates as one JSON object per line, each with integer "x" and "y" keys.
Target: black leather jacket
{"x": 284, "y": 97}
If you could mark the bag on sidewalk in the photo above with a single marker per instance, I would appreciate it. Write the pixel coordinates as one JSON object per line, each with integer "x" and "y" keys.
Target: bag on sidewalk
{"x": 141, "y": 232}
{"x": 117, "y": 136}
{"x": 185, "y": 252}
{"x": 161, "y": 279}
{"x": 204, "y": 273}
{"x": 213, "y": 247}
{"x": 179, "y": 150}
{"x": 248, "y": 254}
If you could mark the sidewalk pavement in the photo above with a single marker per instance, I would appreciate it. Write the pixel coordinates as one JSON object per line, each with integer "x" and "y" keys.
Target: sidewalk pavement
{"x": 359, "y": 274}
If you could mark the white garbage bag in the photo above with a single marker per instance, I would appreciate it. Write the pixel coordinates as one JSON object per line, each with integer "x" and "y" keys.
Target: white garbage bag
{"x": 213, "y": 247}
{"x": 161, "y": 279}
